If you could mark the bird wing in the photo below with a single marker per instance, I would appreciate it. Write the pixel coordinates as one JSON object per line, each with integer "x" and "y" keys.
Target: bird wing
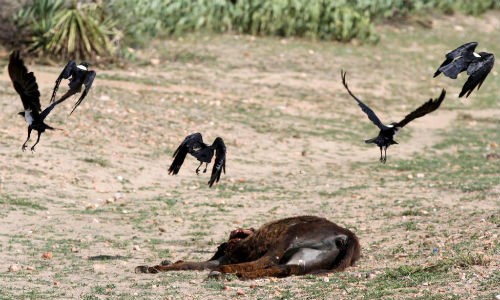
{"x": 181, "y": 152}
{"x": 368, "y": 111}
{"x": 464, "y": 50}
{"x": 478, "y": 72}
{"x": 24, "y": 83}
{"x": 89, "y": 79}
{"x": 65, "y": 74}
{"x": 424, "y": 109}
{"x": 220, "y": 161}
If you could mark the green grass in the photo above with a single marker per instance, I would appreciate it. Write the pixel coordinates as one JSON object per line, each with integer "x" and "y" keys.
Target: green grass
{"x": 22, "y": 202}
{"x": 97, "y": 161}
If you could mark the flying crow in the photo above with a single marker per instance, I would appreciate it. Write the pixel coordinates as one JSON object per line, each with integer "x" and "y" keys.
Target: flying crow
{"x": 194, "y": 145}
{"x": 80, "y": 76}
{"x": 26, "y": 86}
{"x": 477, "y": 65}
{"x": 386, "y": 135}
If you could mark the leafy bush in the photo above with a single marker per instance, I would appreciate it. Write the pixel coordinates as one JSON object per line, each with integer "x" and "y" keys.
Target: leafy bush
{"x": 340, "y": 20}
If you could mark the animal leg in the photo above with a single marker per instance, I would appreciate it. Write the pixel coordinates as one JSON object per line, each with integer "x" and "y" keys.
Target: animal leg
{"x": 385, "y": 154}
{"x": 261, "y": 263}
{"x": 381, "y": 158}
{"x": 273, "y": 271}
{"x": 198, "y": 169}
{"x": 29, "y": 134}
{"x": 206, "y": 167}
{"x": 178, "y": 266}
{"x": 37, "y": 140}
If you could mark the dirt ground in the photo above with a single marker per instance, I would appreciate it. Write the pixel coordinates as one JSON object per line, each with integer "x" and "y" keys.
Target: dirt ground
{"x": 97, "y": 195}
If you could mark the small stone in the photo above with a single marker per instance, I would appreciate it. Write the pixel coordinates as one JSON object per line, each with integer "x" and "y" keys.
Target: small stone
{"x": 136, "y": 248}
{"x": 47, "y": 255}
{"x": 30, "y": 268}
{"x": 92, "y": 206}
{"x": 162, "y": 229}
{"x": 119, "y": 178}
{"x": 154, "y": 61}
{"x": 99, "y": 268}
{"x": 497, "y": 297}
{"x": 240, "y": 292}
{"x": 410, "y": 176}
{"x": 226, "y": 288}
{"x": 420, "y": 175}
{"x": 14, "y": 268}
{"x": 326, "y": 279}
{"x": 178, "y": 220}
{"x": 75, "y": 249}
{"x": 56, "y": 282}
{"x": 117, "y": 196}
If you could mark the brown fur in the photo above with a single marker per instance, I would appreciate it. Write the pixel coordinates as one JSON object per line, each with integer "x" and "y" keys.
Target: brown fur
{"x": 265, "y": 252}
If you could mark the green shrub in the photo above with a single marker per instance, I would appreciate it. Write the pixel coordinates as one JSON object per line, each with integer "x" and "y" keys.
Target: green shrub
{"x": 80, "y": 30}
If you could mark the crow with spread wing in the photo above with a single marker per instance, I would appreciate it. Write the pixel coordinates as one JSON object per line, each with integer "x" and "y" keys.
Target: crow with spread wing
{"x": 78, "y": 76}
{"x": 386, "y": 135}
{"x": 194, "y": 145}
{"x": 27, "y": 88}
{"x": 477, "y": 65}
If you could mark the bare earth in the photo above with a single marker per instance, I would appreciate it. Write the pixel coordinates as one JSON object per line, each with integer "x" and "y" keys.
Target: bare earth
{"x": 97, "y": 194}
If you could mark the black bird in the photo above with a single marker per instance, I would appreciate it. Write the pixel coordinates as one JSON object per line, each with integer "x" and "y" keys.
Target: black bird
{"x": 194, "y": 145}
{"x": 80, "y": 76}
{"x": 477, "y": 65}
{"x": 26, "y": 86}
{"x": 386, "y": 135}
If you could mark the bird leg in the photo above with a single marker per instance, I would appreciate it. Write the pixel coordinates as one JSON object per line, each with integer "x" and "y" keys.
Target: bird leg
{"x": 37, "y": 140}
{"x": 206, "y": 166}
{"x": 198, "y": 169}
{"x": 381, "y": 157}
{"x": 29, "y": 134}
{"x": 385, "y": 155}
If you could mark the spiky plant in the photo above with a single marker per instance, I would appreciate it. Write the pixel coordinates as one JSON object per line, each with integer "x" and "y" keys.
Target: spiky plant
{"x": 56, "y": 29}
{"x": 78, "y": 32}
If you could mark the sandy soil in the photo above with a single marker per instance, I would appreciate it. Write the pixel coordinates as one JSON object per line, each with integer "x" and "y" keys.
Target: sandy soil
{"x": 295, "y": 146}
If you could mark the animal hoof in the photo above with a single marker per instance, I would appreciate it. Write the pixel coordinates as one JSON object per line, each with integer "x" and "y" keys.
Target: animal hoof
{"x": 215, "y": 275}
{"x": 166, "y": 262}
{"x": 146, "y": 269}
{"x": 141, "y": 269}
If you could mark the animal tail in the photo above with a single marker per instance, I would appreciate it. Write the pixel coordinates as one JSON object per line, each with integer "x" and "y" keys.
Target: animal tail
{"x": 451, "y": 70}
{"x": 352, "y": 253}
{"x": 53, "y": 128}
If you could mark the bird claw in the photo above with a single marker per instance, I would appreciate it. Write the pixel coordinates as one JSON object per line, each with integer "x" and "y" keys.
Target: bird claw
{"x": 23, "y": 148}
{"x": 33, "y": 149}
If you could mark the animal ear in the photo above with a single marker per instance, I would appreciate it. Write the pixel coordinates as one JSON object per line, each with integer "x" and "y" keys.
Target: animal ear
{"x": 341, "y": 241}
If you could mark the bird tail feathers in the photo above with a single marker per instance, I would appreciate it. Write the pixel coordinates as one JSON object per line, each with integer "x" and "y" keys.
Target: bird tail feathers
{"x": 373, "y": 140}
{"x": 450, "y": 70}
